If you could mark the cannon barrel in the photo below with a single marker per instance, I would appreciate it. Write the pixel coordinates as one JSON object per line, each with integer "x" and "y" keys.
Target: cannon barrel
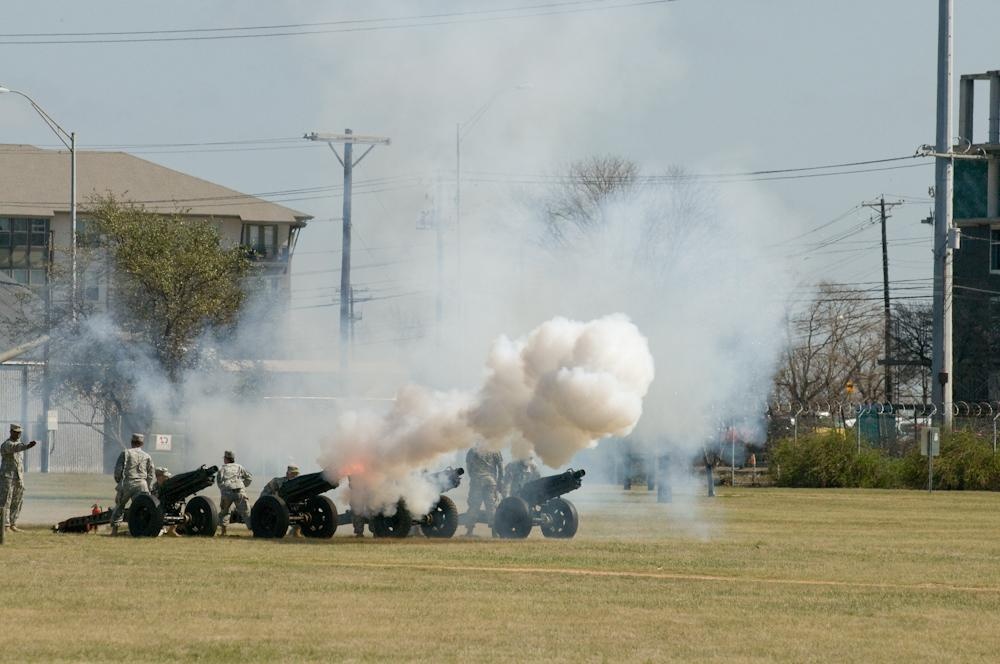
{"x": 304, "y": 487}
{"x": 180, "y": 486}
{"x": 542, "y": 490}
{"x": 447, "y": 479}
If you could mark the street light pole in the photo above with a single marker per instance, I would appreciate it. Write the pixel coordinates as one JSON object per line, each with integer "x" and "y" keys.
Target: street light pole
{"x": 69, "y": 140}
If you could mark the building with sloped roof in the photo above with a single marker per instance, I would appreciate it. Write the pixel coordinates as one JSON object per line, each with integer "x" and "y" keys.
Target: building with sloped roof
{"x": 35, "y": 209}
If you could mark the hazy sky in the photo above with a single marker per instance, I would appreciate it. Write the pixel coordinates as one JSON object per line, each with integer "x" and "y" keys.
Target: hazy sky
{"x": 713, "y": 86}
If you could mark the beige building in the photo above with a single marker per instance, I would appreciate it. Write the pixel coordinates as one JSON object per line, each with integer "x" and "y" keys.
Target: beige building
{"x": 35, "y": 209}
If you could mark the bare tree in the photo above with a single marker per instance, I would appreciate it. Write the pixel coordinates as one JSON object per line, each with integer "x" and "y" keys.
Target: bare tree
{"x": 835, "y": 341}
{"x": 575, "y": 204}
{"x": 912, "y": 330}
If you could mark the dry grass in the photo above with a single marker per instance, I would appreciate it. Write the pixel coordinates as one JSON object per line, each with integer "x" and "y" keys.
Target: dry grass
{"x": 755, "y": 575}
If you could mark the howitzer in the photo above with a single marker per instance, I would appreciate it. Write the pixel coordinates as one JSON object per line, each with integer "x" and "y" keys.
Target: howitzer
{"x": 539, "y": 503}
{"x": 298, "y": 502}
{"x": 199, "y": 516}
{"x": 83, "y": 524}
{"x": 440, "y": 522}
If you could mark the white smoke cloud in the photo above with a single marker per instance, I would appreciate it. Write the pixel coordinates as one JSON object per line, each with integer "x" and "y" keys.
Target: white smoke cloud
{"x": 554, "y": 392}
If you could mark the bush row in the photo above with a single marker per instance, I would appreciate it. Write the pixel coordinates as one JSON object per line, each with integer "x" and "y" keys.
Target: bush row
{"x": 831, "y": 459}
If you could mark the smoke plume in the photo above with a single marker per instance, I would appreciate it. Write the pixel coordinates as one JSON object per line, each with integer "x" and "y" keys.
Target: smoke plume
{"x": 554, "y": 392}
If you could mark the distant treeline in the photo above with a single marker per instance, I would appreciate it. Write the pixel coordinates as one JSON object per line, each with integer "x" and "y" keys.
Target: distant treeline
{"x": 831, "y": 459}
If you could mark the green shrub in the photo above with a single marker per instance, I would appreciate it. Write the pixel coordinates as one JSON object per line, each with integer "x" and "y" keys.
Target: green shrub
{"x": 966, "y": 462}
{"x": 831, "y": 459}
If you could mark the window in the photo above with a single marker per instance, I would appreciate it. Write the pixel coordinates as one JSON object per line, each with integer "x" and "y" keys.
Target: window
{"x": 995, "y": 250}
{"x": 262, "y": 240}
{"x": 24, "y": 249}
{"x": 86, "y": 236}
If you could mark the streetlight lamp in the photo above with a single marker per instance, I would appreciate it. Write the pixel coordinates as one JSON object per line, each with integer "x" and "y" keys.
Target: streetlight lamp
{"x": 69, "y": 140}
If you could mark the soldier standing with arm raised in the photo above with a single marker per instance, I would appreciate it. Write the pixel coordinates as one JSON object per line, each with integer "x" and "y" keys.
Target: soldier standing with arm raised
{"x": 233, "y": 479}
{"x": 12, "y": 477}
{"x": 485, "y": 470}
{"x": 134, "y": 474}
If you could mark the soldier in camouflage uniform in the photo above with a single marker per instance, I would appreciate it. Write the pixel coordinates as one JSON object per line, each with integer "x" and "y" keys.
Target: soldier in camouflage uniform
{"x": 485, "y": 471}
{"x": 233, "y": 480}
{"x": 271, "y": 488}
{"x": 518, "y": 473}
{"x": 162, "y": 475}
{"x": 134, "y": 475}
{"x": 12, "y": 476}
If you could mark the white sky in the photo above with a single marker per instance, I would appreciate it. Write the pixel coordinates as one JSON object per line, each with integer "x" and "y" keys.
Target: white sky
{"x": 709, "y": 85}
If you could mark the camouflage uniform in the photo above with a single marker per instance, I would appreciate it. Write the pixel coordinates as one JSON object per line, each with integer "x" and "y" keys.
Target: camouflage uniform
{"x": 518, "y": 473}
{"x": 232, "y": 480}
{"x": 485, "y": 470}
{"x": 12, "y": 477}
{"x": 135, "y": 474}
{"x": 272, "y": 487}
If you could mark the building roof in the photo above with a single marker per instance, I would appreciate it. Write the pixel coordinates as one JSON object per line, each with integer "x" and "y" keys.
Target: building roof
{"x": 36, "y": 183}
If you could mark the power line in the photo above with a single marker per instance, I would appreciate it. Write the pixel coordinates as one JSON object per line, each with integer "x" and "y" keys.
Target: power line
{"x": 343, "y": 26}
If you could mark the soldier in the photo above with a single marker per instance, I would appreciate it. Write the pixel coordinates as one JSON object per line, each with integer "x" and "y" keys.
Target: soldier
{"x": 162, "y": 475}
{"x": 134, "y": 475}
{"x": 271, "y": 488}
{"x": 233, "y": 480}
{"x": 485, "y": 470}
{"x": 518, "y": 473}
{"x": 12, "y": 477}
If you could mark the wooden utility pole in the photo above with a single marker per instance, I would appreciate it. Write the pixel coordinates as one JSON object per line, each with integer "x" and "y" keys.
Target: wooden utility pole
{"x": 348, "y": 139}
{"x": 887, "y": 333}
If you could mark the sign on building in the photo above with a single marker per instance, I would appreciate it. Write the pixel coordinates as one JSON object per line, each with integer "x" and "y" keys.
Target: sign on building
{"x": 52, "y": 420}
{"x": 164, "y": 442}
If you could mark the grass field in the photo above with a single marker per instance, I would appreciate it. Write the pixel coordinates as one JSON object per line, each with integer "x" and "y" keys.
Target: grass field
{"x": 753, "y": 575}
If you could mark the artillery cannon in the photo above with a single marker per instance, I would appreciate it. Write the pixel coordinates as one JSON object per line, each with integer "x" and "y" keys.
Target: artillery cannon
{"x": 84, "y": 524}
{"x": 440, "y": 522}
{"x": 298, "y": 502}
{"x": 199, "y": 516}
{"x": 539, "y": 503}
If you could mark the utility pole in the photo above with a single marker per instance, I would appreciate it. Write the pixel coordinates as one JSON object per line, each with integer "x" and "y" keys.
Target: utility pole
{"x": 887, "y": 333}
{"x": 941, "y": 370}
{"x": 348, "y": 139}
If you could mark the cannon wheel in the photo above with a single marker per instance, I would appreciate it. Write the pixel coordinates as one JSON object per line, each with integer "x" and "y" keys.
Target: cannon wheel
{"x": 269, "y": 517}
{"x": 145, "y": 518}
{"x": 322, "y": 521}
{"x": 397, "y": 525}
{"x": 202, "y": 517}
{"x": 560, "y": 519}
{"x": 512, "y": 519}
{"x": 443, "y": 519}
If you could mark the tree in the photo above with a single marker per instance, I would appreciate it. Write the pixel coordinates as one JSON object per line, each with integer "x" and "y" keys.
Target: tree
{"x": 575, "y": 204}
{"x": 171, "y": 283}
{"x": 912, "y": 335}
{"x": 172, "y": 279}
{"x": 836, "y": 340}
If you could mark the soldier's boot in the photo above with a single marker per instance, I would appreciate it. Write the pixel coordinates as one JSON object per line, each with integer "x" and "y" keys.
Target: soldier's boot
{"x": 223, "y": 530}
{"x": 296, "y": 531}
{"x": 14, "y": 529}
{"x": 114, "y": 529}
{"x": 172, "y": 532}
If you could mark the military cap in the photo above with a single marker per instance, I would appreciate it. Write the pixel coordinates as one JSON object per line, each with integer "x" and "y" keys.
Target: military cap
{"x": 292, "y": 469}
{"x": 162, "y": 471}
{"x": 228, "y": 454}
{"x": 15, "y": 427}
{"x": 138, "y": 438}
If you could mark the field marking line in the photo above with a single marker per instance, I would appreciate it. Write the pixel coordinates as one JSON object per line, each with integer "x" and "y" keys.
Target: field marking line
{"x": 674, "y": 576}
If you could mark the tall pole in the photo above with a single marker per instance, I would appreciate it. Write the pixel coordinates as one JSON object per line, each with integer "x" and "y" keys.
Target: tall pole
{"x": 458, "y": 205}
{"x": 348, "y": 138}
{"x": 345, "y": 254}
{"x": 888, "y": 311}
{"x": 942, "y": 350}
{"x": 72, "y": 221}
